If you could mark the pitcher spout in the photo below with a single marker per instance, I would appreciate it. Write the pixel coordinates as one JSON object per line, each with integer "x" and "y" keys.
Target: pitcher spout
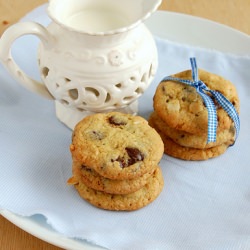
{"x": 145, "y": 8}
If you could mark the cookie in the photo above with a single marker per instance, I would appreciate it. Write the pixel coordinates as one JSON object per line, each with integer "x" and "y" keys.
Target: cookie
{"x": 95, "y": 181}
{"x": 133, "y": 201}
{"x": 191, "y": 154}
{"x": 191, "y": 140}
{"x": 116, "y": 145}
{"x": 182, "y": 108}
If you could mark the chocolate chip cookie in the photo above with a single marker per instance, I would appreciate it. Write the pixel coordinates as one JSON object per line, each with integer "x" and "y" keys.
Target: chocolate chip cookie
{"x": 116, "y": 145}
{"x": 92, "y": 179}
{"x": 182, "y": 108}
{"x": 132, "y": 201}
{"x": 173, "y": 149}
{"x": 186, "y": 139}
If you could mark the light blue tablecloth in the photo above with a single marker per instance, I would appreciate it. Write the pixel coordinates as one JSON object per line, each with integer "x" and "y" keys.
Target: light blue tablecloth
{"x": 204, "y": 205}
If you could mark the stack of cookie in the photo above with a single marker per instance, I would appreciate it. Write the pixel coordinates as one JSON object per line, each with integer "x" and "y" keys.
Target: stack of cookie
{"x": 115, "y": 161}
{"x": 181, "y": 118}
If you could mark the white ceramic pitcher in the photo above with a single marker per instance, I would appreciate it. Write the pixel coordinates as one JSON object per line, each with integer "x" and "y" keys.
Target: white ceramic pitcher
{"x": 95, "y": 56}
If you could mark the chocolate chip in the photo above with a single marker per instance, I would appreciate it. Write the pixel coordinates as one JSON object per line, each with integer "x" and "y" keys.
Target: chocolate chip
{"x": 232, "y": 129}
{"x": 134, "y": 154}
{"x": 113, "y": 120}
{"x": 122, "y": 162}
{"x": 216, "y": 104}
{"x": 86, "y": 168}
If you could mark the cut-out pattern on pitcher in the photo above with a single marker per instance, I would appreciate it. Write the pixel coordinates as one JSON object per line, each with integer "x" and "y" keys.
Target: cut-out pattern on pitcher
{"x": 86, "y": 95}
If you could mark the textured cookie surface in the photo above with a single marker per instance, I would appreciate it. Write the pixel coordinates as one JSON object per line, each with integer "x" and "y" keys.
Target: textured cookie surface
{"x": 182, "y": 108}
{"x": 192, "y": 154}
{"x": 93, "y": 180}
{"x": 132, "y": 201}
{"x": 191, "y": 140}
{"x": 116, "y": 145}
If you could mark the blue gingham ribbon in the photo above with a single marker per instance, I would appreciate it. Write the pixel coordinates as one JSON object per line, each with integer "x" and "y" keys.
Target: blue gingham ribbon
{"x": 202, "y": 90}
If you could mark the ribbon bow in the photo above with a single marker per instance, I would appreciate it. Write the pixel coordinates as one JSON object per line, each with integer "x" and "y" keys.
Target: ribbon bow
{"x": 202, "y": 90}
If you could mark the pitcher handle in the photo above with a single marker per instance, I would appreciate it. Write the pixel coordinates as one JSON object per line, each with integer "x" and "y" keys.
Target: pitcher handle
{"x": 8, "y": 37}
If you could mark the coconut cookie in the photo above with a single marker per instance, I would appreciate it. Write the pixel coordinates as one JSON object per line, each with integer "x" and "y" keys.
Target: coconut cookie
{"x": 182, "y": 108}
{"x": 132, "y": 201}
{"x": 191, "y": 154}
{"x": 116, "y": 145}
{"x": 186, "y": 139}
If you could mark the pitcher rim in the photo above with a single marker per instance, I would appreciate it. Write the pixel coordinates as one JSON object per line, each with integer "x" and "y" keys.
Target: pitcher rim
{"x": 109, "y": 32}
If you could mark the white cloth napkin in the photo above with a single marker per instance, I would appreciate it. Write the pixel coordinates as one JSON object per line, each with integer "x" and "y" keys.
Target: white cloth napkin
{"x": 204, "y": 205}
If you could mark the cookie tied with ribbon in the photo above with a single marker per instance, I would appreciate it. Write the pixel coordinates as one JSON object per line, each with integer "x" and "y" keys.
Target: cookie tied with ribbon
{"x": 206, "y": 94}
{"x": 196, "y": 114}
